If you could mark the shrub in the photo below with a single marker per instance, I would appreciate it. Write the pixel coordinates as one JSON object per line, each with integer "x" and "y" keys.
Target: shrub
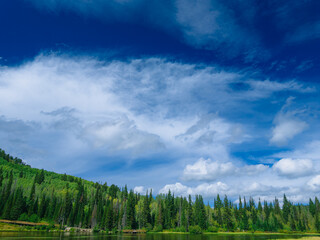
{"x": 34, "y": 218}
{"x": 149, "y": 227}
{"x": 158, "y": 228}
{"x": 213, "y": 229}
{"x": 23, "y": 217}
{"x": 195, "y": 229}
{"x": 180, "y": 229}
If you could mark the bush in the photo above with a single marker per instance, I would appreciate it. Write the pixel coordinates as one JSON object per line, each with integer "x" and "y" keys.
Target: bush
{"x": 195, "y": 229}
{"x": 23, "y": 217}
{"x": 158, "y": 228}
{"x": 180, "y": 229}
{"x": 34, "y": 218}
{"x": 148, "y": 227}
{"x": 213, "y": 229}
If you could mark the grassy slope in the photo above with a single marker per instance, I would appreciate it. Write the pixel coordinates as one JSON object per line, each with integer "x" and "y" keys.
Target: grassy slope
{"x": 53, "y": 181}
{"x": 9, "y": 227}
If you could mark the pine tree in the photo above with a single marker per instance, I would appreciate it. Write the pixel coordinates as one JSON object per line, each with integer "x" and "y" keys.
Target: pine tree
{"x": 109, "y": 216}
{"x": 189, "y": 213}
{"x": 146, "y": 215}
{"x": 130, "y": 211}
{"x": 18, "y": 205}
{"x": 218, "y": 207}
{"x": 312, "y": 207}
{"x": 286, "y": 209}
{"x": 32, "y": 198}
{"x": 67, "y": 206}
{"x": 227, "y": 215}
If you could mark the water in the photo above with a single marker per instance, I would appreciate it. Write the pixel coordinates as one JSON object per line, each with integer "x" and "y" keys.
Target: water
{"x": 74, "y": 236}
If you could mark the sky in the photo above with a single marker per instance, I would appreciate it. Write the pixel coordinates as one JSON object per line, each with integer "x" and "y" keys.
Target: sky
{"x": 195, "y": 96}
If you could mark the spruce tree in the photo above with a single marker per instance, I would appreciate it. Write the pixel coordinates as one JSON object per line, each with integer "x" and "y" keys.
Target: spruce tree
{"x": 227, "y": 215}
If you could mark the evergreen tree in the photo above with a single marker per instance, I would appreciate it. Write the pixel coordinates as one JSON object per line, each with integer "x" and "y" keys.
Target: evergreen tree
{"x": 32, "y": 198}
{"x": 227, "y": 217}
{"x": 130, "y": 211}
{"x": 109, "y": 216}
{"x": 285, "y": 209}
{"x": 18, "y": 205}
{"x": 218, "y": 206}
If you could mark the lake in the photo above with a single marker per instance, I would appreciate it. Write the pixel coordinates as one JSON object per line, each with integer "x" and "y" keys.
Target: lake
{"x": 73, "y": 236}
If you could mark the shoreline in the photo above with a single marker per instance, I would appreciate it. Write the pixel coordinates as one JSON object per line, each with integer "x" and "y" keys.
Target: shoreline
{"x": 166, "y": 232}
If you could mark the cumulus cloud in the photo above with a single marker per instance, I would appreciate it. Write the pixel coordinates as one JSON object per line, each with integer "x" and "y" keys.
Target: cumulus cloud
{"x": 64, "y": 110}
{"x": 177, "y": 188}
{"x": 294, "y": 168}
{"x": 287, "y": 125}
{"x": 152, "y": 100}
{"x": 205, "y": 189}
{"x": 208, "y": 170}
{"x": 314, "y": 183}
{"x": 139, "y": 189}
{"x": 210, "y": 190}
{"x": 309, "y": 150}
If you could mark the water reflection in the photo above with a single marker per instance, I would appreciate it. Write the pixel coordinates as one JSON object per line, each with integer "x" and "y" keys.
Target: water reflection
{"x": 74, "y": 236}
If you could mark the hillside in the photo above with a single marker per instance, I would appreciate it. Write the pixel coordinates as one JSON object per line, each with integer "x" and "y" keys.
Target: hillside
{"x": 29, "y": 194}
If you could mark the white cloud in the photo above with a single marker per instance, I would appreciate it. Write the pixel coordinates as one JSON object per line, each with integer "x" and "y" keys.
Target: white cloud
{"x": 119, "y": 134}
{"x": 210, "y": 190}
{"x": 139, "y": 189}
{"x": 252, "y": 169}
{"x": 314, "y": 183}
{"x": 93, "y": 113}
{"x": 256, "y": 190}
{"x": 177, "y": 188}
{"x": 208, "y": 170}
{"x": 212, "y": 135}
{"x": 287, "y": 125}
{"x": 309, "y": 150}
{"x": 141, "y": 105}
{"x": 205, "y": 189}
{"x": 285, "y": 130}
{"x": 294, "y": 168}
{"x": 267, "y": 86}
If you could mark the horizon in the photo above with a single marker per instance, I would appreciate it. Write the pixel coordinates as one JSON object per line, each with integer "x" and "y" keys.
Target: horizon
{"x": 201, "y": 98}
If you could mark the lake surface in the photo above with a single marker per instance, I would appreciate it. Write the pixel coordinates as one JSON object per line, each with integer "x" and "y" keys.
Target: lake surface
{"x": 45, "y": 235}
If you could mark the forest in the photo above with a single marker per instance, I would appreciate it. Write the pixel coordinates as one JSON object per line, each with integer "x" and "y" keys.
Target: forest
{"x": 30, "y": 194}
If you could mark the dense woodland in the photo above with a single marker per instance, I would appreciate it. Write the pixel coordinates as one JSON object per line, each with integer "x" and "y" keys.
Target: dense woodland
{"x": 30, "y": 194}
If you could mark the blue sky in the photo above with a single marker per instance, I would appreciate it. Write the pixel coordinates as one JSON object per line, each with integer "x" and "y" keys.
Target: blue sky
{"x": 200, "y": 97}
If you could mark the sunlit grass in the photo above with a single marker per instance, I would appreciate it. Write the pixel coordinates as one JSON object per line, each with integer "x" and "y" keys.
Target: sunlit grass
{"x": 9, "y": 227}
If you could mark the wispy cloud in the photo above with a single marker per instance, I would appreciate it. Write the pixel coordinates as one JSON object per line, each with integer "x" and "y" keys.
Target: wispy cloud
{"x": 208, "y": 24}
{"x": 287, "y": 125}
{"x": 96, "y": 113}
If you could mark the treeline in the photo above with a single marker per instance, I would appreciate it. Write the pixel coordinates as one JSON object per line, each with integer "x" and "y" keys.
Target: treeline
{"x": 9, "y": 158}
{"x": 36, "y": 195}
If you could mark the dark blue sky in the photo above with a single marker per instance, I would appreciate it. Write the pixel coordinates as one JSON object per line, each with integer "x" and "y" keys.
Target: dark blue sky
{"x": 283, "y": 36}
{"x": 191, "y": 95}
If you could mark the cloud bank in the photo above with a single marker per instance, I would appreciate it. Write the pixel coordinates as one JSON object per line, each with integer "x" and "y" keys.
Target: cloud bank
{"x": 79, "y": 114}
